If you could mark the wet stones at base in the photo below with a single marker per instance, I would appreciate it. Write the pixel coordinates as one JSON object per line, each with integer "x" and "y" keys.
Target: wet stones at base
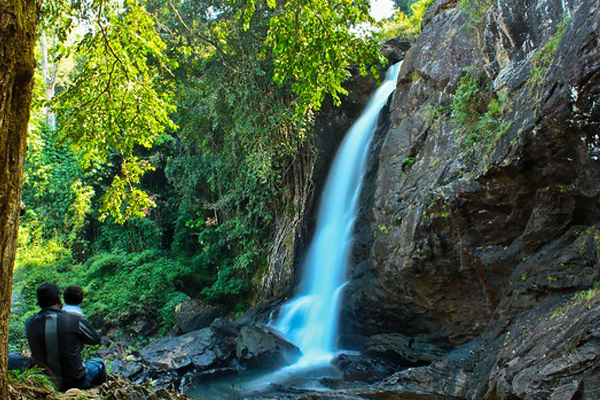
{"x": 405, "y": 351}
{"x": 259, "y": 347}
{"x": 223, "y": 349}
{"x": 202, "y": 349}
{"x": 357, "y": 367}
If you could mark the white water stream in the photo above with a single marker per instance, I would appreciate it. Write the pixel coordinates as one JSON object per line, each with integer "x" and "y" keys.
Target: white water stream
{"x": 310, "y": 320}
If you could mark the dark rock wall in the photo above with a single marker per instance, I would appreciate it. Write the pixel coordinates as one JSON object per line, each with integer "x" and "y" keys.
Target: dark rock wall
{"x": 453, "y": 223}
{"x": 488, "y": 243}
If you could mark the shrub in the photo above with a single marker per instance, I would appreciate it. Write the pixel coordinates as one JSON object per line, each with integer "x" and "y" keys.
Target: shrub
{"x": 406, "y": 25}
{"x": 478, "y": 114}
{"x": 475, "y": 11}
{"x": 150, "y": 283}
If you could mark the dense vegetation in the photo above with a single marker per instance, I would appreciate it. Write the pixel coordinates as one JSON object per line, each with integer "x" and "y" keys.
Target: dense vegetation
{"x": 406, "y": 22}
{"x": 164, "y": 176}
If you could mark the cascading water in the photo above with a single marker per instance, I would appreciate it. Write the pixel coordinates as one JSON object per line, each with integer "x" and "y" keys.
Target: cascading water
{"x": 310, "y": 320}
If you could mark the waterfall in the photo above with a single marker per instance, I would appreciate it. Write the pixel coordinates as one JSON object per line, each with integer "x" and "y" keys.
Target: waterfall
{"x": 310, "y": 320}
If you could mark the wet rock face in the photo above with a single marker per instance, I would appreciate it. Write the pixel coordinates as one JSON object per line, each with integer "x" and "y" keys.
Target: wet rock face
{"x": 554, "y": 355}
{"x": 486, "y": 239}
{"x": 550, "y": 352}
{"x": 404, "y": 351}
{"x": 363, "y": 368}
{"x": 259, "y": 347}
{"x": 454, "y": 225}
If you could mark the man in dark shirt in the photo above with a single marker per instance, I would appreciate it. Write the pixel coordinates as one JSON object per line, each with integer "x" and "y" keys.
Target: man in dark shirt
{"x": 56, "y": 339}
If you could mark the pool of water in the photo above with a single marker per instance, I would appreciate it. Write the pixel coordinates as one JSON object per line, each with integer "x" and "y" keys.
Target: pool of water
{"x": 259, "y": 383}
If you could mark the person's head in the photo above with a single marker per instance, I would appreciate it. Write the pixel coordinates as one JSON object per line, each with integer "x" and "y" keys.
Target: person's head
{"x": 48, "y": 295}
{"x": 73, "y": 295}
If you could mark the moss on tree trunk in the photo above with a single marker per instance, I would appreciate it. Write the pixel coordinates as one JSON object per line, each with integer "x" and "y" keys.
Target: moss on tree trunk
{"x": 18, "y": 20}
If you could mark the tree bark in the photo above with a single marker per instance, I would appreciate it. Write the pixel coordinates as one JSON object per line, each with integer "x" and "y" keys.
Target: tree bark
{"x": 18, "y": 20}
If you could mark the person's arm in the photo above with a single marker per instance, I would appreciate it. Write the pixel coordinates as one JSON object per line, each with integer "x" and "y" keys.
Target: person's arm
{"x": 90, "y": 336}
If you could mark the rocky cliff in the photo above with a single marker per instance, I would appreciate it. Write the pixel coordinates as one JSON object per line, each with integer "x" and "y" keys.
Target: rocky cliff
{"x": 481, "y": 225}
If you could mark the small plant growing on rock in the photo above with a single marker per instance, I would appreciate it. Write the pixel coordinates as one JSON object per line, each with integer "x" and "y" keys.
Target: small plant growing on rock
{"x": 542, "y": 59}
{"x": 589, "y": 294}
{"x": 475, "y": 11}
{"x": 478, "y": 114}
{"x": 407, "y": 162}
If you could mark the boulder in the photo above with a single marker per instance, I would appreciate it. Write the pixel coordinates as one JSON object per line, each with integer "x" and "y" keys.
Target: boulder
{"x": 358, "y": 367}
{"x": 420, "y": 350}
{"x": 193, "y": 315}
{"x": 202, "y": 349}
{"x": 259, "y": 347}
{"x": 128, "y": 368}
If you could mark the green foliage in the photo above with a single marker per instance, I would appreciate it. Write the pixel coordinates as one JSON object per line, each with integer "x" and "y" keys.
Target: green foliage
{"x": 406, "y": 24}
{"x": 113, "y": 102}
{"x": 476, "y": 11}
{"x": 119, "y": 286}
{"x": 404, "y": 5}
{"x": 314, "y": 45}
{"x": 237, "y": 141}
{"x": 56, "y": 191}
{"x": 478, "y": 116}
{"x": 31, "y": 377}
{"x": 589, "y": 294}
{"x": 17, "y": 341}
{"x": 124, "y": 199}
{"x": 541, "y": 60}
{"x": 133, "y": 236}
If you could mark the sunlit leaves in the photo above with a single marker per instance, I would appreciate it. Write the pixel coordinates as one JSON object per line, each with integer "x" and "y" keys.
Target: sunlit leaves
{"x": 314, "y": 43}
{"x": 124, "y": 199}
{"x": 113, "y": 103}
{"x": 406, "y": 25}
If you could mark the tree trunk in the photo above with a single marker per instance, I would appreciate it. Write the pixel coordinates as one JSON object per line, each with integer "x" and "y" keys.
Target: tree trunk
{"x": 18, "y": 20}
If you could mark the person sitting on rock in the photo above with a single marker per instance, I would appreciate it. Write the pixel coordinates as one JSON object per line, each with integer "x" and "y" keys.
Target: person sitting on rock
{"x": 56, "y": 339}
{"x": 73, "y": 296}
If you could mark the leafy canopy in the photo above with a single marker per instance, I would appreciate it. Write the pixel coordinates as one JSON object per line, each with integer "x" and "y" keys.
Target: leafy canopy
{"x": 314, "y": 44}
{"x": 114, "y": 102}
{"x": 406, "y": 24}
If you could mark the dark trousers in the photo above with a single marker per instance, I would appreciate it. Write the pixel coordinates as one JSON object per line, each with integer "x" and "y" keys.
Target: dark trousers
{"x": 95, "y": 373}
{"x": 17, "y": 361}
